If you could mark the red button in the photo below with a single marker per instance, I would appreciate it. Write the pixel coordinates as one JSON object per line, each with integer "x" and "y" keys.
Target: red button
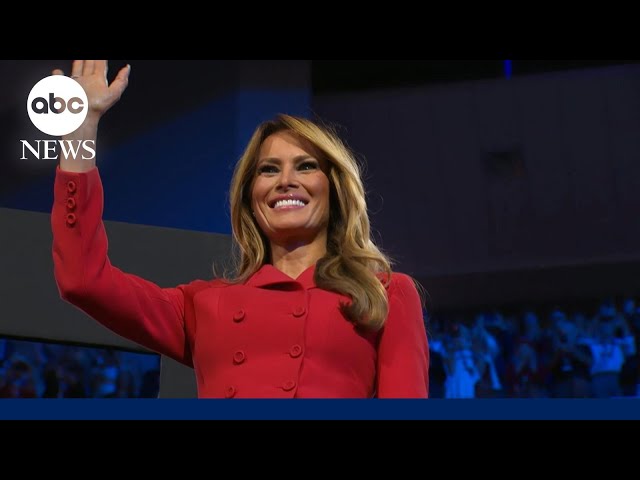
{"x": 230, "y": 392}
{"x": 238, "y": 316}
{"x": 299, "y": 311}
{"x": 71, "y": 186}
{"x": 295, "y": 351}
{"x": 71, "y": 203}
{"x": 288, "y": 385}
{"x": 71, "y": 219}
{"x": 239, "y": 357}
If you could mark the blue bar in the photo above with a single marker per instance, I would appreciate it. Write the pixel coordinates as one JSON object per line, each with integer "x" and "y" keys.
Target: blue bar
{"x": 507, "y": 68}
{"x": 192, "y": 409}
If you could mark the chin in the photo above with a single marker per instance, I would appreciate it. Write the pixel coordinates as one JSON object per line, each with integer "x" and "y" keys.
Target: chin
{"x": 291, "y": 228}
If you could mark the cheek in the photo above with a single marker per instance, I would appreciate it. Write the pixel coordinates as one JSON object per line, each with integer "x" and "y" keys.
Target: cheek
{"x": 326, "y": 195}
{"x": 257, "y": 193}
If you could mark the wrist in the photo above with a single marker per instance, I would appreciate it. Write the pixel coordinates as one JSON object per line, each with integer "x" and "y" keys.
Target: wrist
{"x": 87, "y": 131}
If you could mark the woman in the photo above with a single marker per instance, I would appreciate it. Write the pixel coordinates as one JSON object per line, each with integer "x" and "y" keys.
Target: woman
{"x": 314, "y": 310}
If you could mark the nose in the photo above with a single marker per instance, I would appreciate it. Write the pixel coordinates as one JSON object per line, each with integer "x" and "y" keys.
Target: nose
{"x": 287, "y": 178}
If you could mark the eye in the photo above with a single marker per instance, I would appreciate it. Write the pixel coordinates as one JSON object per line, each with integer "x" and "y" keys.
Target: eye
{"x": 308, "y": 165}
{"x": 267, "y": 169}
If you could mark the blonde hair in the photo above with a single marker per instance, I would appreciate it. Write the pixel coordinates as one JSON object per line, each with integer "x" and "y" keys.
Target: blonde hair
{"x": 353, "y": 262}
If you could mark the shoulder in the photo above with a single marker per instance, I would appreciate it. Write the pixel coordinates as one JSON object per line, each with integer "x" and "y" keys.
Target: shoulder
{"x": 398, "y": 281}
{"x": 402, "y": 279}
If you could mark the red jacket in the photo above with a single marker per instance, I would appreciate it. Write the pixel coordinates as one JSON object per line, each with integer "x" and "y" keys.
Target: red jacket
{"x": 271, "y": 337}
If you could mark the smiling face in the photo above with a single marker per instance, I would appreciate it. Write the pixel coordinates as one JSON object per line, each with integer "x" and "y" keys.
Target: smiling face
{"x": 290, "y": 190}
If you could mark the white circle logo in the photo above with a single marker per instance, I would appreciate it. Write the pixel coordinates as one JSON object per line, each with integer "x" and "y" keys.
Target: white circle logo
{"x": 57, "y": 105}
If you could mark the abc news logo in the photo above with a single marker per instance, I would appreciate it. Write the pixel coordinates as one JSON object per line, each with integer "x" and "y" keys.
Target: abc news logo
{"x": 57, "y": 106}
{"x": 40, "y": 105}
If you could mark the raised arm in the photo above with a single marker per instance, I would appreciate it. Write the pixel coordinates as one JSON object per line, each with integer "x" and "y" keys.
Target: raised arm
{"x": 132, "y": 307}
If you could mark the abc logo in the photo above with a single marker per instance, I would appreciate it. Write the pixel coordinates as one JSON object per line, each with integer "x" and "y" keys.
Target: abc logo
{"x": 57, "y": 105}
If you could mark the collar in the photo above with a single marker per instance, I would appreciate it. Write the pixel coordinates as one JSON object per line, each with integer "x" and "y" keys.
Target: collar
{"x": 268, "y": 275}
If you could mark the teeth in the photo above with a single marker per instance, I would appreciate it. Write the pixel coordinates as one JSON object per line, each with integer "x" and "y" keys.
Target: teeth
{"x": 289, "y": 203}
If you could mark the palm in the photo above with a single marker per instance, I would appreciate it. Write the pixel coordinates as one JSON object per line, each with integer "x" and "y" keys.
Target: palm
{"x": 92, "y": 75}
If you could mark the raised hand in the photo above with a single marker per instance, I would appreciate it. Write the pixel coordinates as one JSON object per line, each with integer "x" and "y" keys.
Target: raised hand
{"x": 92, "y": 75}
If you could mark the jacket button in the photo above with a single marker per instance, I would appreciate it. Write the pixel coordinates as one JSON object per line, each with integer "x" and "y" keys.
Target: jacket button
{"x": 299, "y": 311}
{"x": 288, "y": 385}
{"x": 71, "y": 203}
{"x": 71, "y": 186}
{"x": 239, "y": 357}
{"x": 238, "y": 316}
{"x": 71, "y": 219}
{"x": 230, "y": 392}
{"x": 295, "y": 351}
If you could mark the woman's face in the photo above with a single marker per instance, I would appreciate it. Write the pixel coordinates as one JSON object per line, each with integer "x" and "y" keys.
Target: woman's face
{"x": 290, "y": 191}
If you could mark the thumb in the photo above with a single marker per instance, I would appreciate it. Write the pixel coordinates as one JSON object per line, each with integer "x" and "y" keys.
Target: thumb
{"x": 119, "y": 84}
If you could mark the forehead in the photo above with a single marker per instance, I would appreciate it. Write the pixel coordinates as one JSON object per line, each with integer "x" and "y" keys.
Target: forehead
{"x": 287, "y": 144}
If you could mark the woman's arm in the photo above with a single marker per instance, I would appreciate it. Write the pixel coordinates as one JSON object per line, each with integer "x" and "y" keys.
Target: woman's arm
{"x": 129, "y": 305}
{"x": 403, "y": 351}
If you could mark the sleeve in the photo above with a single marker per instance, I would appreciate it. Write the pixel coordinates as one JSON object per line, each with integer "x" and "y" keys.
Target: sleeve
{"x": 403, "y": 351}
{"x": 126, "y": 304}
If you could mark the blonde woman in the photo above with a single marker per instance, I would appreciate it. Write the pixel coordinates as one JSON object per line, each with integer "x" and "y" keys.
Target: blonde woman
{"x": 313, "y": 310}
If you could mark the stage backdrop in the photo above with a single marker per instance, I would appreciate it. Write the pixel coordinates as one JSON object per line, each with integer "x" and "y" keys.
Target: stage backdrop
{"x": 506, "y": 189}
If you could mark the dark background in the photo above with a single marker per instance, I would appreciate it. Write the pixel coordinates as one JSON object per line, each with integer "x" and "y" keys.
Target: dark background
{"x": 357, "y": 75}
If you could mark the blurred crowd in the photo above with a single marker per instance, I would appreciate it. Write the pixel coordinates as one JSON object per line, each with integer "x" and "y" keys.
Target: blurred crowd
{"x": 537, "y": 353}
{"x": 47, "y": 370}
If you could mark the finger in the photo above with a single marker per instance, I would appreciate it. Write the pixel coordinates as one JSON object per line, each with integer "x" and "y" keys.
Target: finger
{"x": 57, "y": 71}
{"x": 76, "y": 68}
{"x": 89, "y": 67}
{"x": 101, "y": 68}
{"x": 121, "y": 81}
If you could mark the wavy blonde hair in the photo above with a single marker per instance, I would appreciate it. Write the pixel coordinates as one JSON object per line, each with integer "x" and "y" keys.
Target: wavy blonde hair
{"x": 353, "y": 262}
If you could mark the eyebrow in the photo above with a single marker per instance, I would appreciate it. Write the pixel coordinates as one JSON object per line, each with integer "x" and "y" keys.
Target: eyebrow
{"x": 278, "y": 161}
